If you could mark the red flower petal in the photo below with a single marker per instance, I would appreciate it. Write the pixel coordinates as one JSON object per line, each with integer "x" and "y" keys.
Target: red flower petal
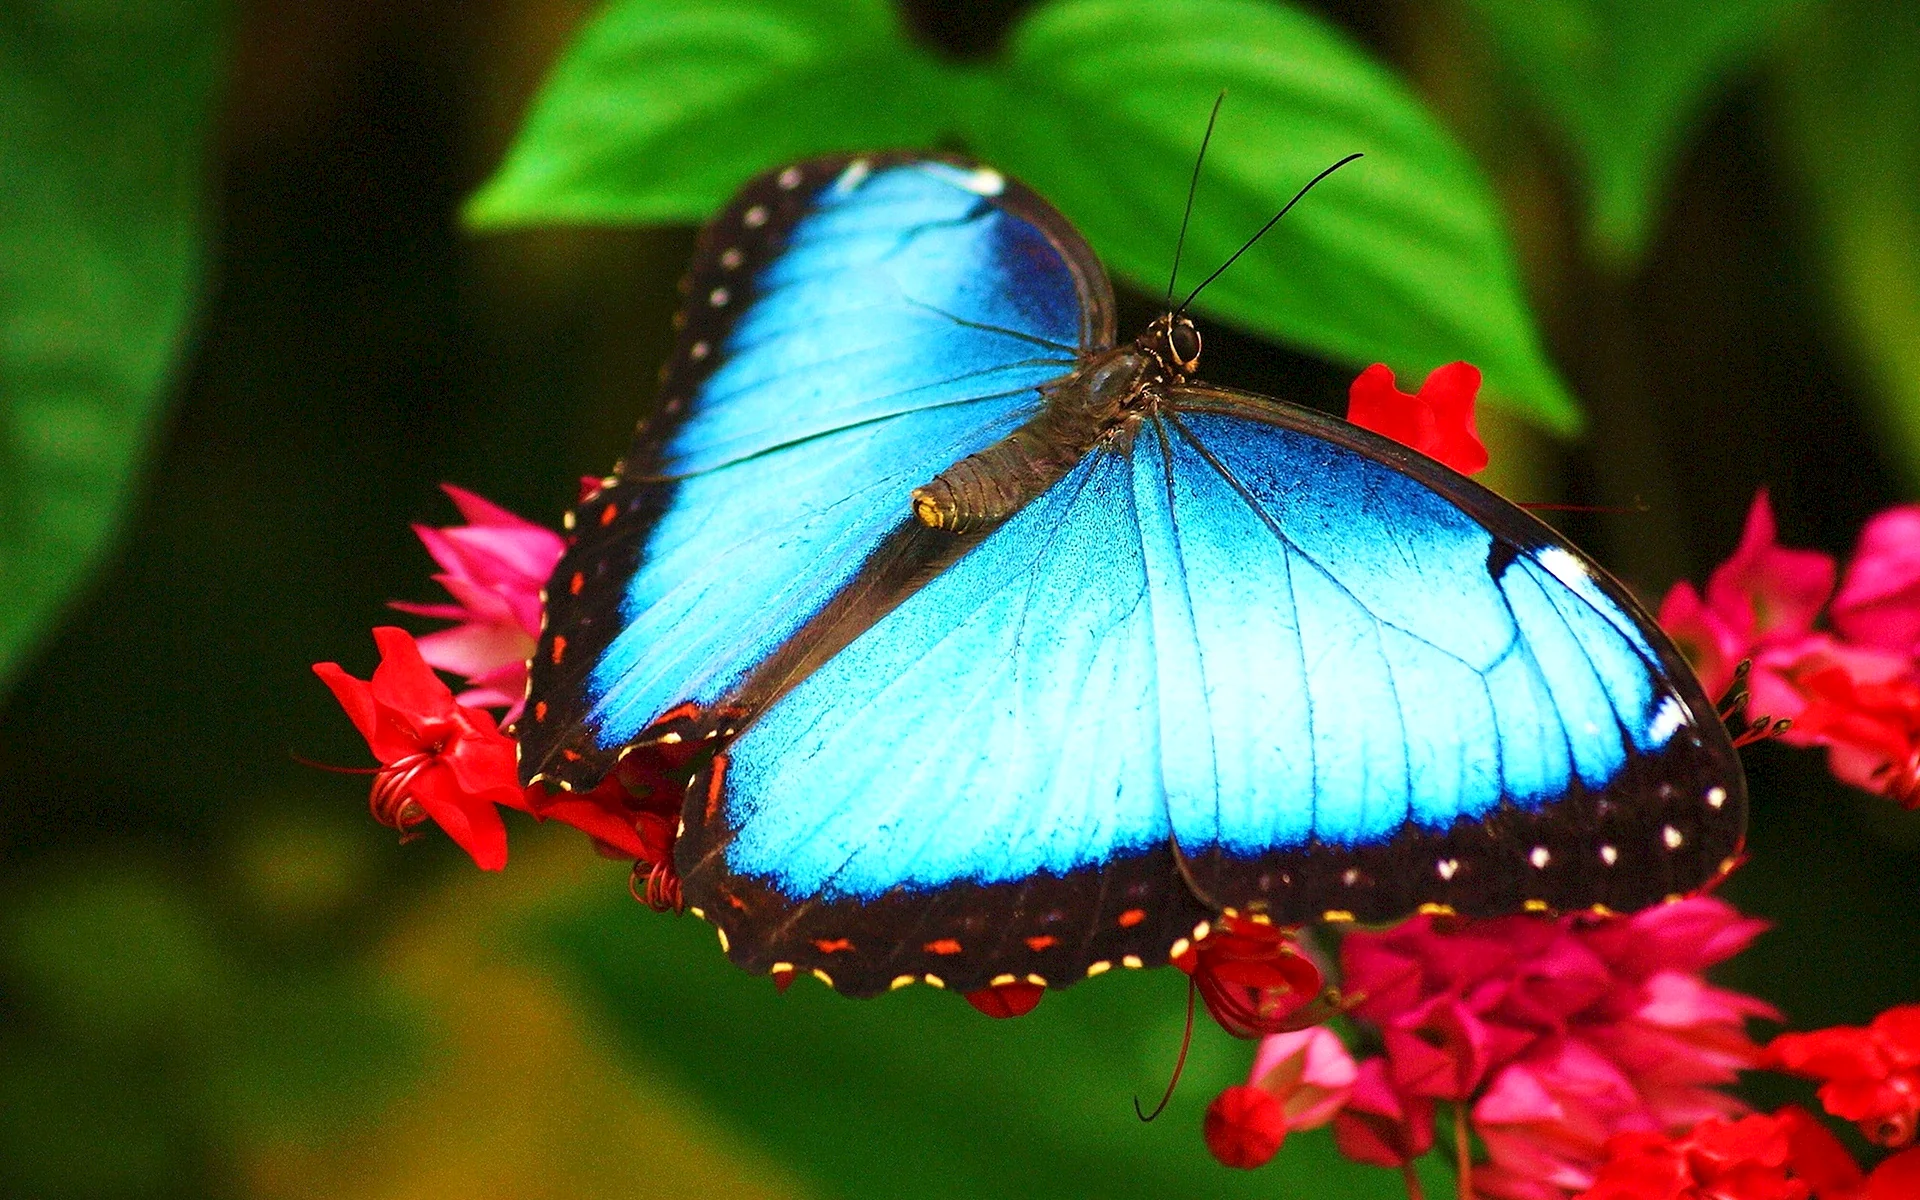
{"x": 1438, "y": 422}
{"x": 1244, "y": 1127}
{"x": 1898, "y": 1178}
{"x": 473, "y": 825}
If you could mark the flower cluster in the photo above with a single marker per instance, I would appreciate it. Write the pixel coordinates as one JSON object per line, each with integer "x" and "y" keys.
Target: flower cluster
{"x": 1786, "y": 1156}
{"x": 443, "y": 757}
{"x": 493, "y": 567}
{"x": 1870, "y": 1075}
{"x": 1852, "y": 686}
{"x": 1553, "y": 1035}
{"x": 1586, "y": 1056}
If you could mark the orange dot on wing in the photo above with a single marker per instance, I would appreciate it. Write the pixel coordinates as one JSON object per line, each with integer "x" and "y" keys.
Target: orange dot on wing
{"x": 1132, "y": 917}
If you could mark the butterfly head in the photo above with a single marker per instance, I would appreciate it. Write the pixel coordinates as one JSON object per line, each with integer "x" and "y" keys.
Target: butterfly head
{"x": 1174, "y": 343}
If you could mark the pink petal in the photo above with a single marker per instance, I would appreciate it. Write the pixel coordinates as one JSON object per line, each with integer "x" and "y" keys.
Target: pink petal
{"x": 1309, "y": 1071}
{"x": 1879, "y": 600}
{"x": 478, "y": 510}
{"x": 1710, "y": 645}
{"x": 1766, "y": 592}
{"x": 476, "y": 650}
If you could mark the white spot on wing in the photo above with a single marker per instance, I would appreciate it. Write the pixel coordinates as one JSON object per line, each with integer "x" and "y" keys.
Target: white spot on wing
{"x": 1448, "y": 867}
{"x": 1540, "y": 858}
{"x": 1716, "y": 796}
{"x": 1609, "y": 855}
{"x": 1671, "y": 837}
{"x": 851, "y": 178}
{"x": 1667, "y": 720}
{"x": 1565, "y": 567}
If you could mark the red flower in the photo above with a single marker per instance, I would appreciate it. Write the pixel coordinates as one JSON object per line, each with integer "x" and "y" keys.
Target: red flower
{"x": 1786, "y": 1156}
{"x": 1748, "y": 1159}
{"x": 1864, "y": 706}
{"x": 1300, "y": 1080}
{"x": 494, "y": 567}
{"x": 1872, "y": 1074}
{"x": 1438, "y": 422}
{"x": 440, "y": 759}
{"x": 1244, "y": 1127}
{"x": 1253, "y": 978}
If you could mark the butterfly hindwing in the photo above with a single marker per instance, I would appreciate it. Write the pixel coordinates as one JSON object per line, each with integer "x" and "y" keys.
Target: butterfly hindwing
{"x": 852, "y": 327}
{"x": 1293, "y": 667}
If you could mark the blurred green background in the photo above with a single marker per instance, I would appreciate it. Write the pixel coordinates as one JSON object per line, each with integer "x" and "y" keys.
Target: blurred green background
{"x": 243, "y": 335}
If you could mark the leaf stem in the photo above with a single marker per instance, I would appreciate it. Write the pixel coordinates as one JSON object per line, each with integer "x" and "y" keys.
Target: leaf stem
{"x": 1412, "y": 1177}
{"x": 1462, "y": 1153}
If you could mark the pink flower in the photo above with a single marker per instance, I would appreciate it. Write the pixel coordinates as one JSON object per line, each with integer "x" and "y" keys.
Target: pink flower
{"x": 1766, "y": 593}
{"x": 1559, "y": 1033}
{"x": 1546, "y": 1119}
{"x": 1308, "y": 1071}
{"x": 440, "y": 759}
{"x": 1879, "y": 599}
{"x": 1708, "y": 641}
{"x": 494, "y": 567}
{"x": 1438, "y": 422}
{"x": 1378, "y": 1125}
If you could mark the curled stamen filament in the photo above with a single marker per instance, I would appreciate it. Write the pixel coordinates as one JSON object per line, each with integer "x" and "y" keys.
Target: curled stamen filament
{"x": 391, "y": 799}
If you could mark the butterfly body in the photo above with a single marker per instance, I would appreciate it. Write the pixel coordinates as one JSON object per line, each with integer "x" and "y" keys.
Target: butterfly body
{"x": 1047, "y": 654}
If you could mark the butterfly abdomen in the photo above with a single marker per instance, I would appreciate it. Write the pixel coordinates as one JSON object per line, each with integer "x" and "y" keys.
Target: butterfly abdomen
{"x": 984, "y": 489}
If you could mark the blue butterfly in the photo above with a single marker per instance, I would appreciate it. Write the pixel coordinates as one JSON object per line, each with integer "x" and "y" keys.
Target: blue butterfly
{"x": 1024, "y": 653}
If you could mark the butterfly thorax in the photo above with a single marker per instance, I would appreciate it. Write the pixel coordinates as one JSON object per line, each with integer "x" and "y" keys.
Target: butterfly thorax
{"x": 1108, "y": 391}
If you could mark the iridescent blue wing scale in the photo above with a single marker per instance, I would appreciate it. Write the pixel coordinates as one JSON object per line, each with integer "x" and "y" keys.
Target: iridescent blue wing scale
{"x": 1243, "y": 657}
{"x": 852, "y": 327}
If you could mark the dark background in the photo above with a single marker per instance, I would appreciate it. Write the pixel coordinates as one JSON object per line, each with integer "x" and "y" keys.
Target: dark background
{"x": 213, "y": 966}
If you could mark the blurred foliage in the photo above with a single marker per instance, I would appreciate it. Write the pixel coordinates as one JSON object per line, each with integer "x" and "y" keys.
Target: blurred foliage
{"x": 1851, "y": 114}
{"x": 217, "y": 978}
{"x": 660, "y": 112}
{"x": 1626, "y": 82}
{"x": 102, "y": 112}
{"x": 917, "y": 1095}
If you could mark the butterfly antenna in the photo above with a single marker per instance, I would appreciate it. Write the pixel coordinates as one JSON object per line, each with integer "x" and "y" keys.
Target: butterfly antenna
{"x": 1274, "y": 220}
{"x": 1179, "y": 1064}
{"x": 1192, "y": 186}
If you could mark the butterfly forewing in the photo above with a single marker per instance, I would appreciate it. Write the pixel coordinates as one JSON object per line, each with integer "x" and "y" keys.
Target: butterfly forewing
{"x": 852, "y": 326}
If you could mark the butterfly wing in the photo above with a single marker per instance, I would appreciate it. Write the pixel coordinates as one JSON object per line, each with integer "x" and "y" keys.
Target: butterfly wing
{"x": 1397, "y": 689}
{"x": 852, "y": 327}
{"x": 1241, "y": 657}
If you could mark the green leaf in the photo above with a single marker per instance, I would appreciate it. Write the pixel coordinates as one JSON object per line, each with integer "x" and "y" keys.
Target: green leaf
{"x": 103, "y": 111}
{"x": 663, "y": 107}
{"x": 1851, "y": 113}
{"x": 914, "y": 1094}
{"x": 1400, "y": 257}
{"x": 1626, "y": 82}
